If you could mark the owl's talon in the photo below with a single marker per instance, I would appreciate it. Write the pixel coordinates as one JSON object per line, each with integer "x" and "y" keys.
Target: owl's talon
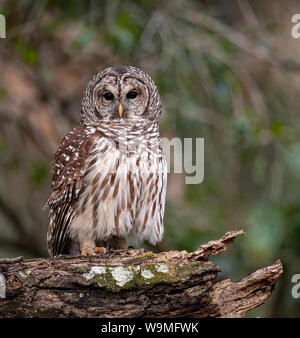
{"x": 99, "y": 250}
{"x": 93, "y": 251}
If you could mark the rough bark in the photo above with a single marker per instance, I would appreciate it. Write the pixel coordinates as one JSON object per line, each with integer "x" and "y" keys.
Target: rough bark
{"x": 131, "y": 283}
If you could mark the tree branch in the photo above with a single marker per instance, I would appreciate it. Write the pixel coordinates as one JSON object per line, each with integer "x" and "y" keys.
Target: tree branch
{"x": 131, "y": 283}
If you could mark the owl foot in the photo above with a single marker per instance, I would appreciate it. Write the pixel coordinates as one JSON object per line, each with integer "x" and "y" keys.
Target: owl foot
{"x": 99, "y": 250}
{"x": 93, "y": 251}
{"x": 88, "y": 248}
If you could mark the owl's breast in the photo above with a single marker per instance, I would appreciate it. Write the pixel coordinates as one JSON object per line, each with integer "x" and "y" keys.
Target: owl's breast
{"x": 120, "y": 186}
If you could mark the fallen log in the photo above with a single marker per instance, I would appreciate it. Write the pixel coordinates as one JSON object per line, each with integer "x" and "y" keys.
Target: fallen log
{"x": 131, "y": 283}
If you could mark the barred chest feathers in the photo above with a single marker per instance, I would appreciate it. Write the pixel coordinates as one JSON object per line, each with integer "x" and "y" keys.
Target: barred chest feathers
{"x": 125, "y": 185}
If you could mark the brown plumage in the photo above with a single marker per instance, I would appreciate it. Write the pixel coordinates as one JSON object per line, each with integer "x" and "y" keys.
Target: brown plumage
{"x": 109, "y": 174}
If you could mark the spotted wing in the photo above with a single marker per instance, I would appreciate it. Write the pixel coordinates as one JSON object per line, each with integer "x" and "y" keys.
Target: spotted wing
{"x": 68, "y": 170}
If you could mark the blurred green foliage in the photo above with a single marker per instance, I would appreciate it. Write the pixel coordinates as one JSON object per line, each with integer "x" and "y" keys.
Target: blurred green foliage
{"x": 27, "y": 53}
{"x": 213, "y": 85}
{"x": 38, "y": 173}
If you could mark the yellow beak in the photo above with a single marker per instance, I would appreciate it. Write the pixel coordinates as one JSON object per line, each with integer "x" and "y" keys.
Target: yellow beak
{"x": 120, "y": 109}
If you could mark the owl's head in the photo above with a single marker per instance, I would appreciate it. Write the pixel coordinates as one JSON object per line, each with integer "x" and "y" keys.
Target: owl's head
{"x": 118, "y": 94}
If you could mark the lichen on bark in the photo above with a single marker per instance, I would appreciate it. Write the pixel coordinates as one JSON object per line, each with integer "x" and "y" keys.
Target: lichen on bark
{"x": 117, "y": 278}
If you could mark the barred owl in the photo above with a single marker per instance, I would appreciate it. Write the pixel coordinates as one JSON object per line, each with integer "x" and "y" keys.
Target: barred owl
{"x": 109, "y": 174}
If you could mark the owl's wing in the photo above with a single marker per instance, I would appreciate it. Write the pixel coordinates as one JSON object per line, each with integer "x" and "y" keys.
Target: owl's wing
{"x": 69, "y": 166}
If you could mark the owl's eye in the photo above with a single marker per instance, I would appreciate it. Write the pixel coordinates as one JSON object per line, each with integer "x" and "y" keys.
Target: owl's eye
{"x": 131, "y": 95}
{"x": 108, "y": 96}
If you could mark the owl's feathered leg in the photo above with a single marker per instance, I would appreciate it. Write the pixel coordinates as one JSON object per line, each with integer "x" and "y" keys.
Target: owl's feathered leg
{"x": 118, "y": 243}
{"x": 89, "y": 248}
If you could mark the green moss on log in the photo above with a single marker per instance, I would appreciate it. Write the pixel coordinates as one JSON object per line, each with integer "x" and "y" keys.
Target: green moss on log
{"x": 117, "y": 278}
